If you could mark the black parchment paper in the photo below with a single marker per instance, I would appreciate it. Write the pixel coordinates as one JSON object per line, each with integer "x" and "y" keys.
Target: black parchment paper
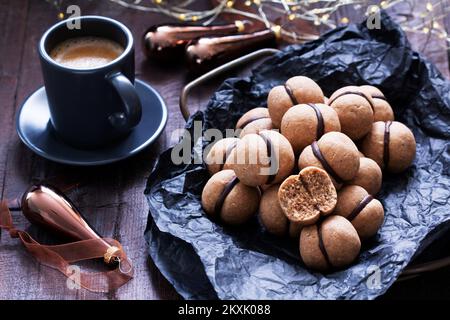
{"x": 205, "y": 260}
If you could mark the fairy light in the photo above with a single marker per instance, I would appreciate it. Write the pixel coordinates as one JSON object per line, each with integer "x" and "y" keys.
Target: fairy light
{"x": 427, "y": 20}
{"x": 277, "y": 30}
{"x": 374, "y": 9}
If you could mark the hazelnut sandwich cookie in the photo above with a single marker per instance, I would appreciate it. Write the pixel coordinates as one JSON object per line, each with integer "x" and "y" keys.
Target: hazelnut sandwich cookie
{"x": 304, "y": 123}
{"x": 264, "y": 158}
{"x": 382, "y": 109}
{"x": 360, "y": 208}
{"x": 227, "y": 199}
{"x": 216, "y": 159}
{"x": 254, "y": 121}
{"x": 295, "y": 91}
{"x": 331, "y": 244}
{"x": 272, "y": 216}
{"x": 391, "y": 145}
{"x": 305, "y": 197}
{"x": 336, "y": 154}
{"x": 355, "y": 109}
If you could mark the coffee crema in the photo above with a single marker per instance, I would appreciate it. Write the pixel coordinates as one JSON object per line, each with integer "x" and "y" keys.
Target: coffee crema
{"x": 86, "y": 52}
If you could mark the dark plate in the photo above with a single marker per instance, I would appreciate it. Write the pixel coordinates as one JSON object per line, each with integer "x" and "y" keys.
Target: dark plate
{"x": 35, "y": 130}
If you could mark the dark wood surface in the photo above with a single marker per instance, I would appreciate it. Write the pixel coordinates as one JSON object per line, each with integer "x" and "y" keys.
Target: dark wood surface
{"x": 112, "y": 196}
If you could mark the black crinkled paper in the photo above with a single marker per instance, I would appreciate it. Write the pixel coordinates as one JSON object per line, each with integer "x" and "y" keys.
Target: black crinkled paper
{"x": 206, "y": 260}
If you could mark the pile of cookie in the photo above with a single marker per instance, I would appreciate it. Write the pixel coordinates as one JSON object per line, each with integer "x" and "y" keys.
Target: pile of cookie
{"x": 310, "y": 166}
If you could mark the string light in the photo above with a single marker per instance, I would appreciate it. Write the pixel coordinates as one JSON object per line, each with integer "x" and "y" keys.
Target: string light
{"x": 316, "y": 12}
{"x": 374, "y": 9}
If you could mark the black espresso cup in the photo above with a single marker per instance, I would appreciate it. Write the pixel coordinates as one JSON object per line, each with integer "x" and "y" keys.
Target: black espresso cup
{"x": 91, "y": 107}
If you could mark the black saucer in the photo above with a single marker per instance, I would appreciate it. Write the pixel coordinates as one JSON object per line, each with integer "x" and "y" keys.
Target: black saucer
{"x": 35, "y": 130}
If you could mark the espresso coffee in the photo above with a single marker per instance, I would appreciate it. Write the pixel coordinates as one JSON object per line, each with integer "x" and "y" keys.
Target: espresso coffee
{"x": 86, "y": 52}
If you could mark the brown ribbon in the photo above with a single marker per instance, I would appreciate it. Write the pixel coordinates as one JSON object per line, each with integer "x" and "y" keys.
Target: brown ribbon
{"x": 290, "y": 94}
{"x": 387, "y": 133}
{"x": 352, "y": 92}
{"x": 60, "y": 257}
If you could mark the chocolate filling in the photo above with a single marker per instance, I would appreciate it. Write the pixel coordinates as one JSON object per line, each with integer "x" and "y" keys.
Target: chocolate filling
{"x": 320, "y": 123}
{"x": 378, "y": 96}
{"x": 357, "y": 210}
{"x": 226, "y": 190}
{"x": 322, "y": 245}
{"x": 271, "y": 155}
{"x": 250, "y": 120}
{"x": 387, "y": 133}
{"x": 352, "y": 92}
{"x": 227, "y": 153}
{"x": 290, "y": 94}
{"x": 318, "y": 154}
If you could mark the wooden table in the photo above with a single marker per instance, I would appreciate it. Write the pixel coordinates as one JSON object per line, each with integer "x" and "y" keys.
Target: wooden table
{"x": 112, "y": 197}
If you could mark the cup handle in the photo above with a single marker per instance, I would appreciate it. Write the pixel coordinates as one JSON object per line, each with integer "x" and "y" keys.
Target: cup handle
{"x": 132, "y": 108}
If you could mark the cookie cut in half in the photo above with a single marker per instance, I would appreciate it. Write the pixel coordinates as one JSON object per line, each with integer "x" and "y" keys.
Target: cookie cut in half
{"x": 307, "y": 196}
